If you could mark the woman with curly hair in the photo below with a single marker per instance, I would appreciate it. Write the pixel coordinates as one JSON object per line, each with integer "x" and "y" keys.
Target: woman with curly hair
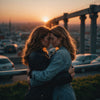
{"x": 61, "y": 61}
{"x": 37, "y": 59}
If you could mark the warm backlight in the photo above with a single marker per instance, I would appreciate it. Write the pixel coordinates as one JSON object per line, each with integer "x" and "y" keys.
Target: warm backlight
{"x": 45, "y": 19}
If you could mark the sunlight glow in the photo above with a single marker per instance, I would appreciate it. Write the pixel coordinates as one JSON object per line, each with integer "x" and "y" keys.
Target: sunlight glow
{"x": 45, "y": 19}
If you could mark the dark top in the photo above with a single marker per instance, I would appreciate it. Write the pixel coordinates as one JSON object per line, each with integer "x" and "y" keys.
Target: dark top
{"x": 39, "y": 60}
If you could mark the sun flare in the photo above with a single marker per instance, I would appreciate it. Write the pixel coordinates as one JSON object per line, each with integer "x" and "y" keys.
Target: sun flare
{"x": 45, "y": 19}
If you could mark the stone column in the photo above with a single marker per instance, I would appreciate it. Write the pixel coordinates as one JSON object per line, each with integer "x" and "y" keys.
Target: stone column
{"x": 93, "y": 29}
{"x": 82, "y": 34}
{"x": 65, "y": 20}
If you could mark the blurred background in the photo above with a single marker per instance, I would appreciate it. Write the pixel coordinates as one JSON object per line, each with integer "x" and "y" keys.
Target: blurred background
{"x": 19, "y": 17}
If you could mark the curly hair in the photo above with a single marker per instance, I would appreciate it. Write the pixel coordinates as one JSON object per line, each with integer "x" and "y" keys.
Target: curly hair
{"x": 67, "y": 41}
{"x": 33, "y": 42}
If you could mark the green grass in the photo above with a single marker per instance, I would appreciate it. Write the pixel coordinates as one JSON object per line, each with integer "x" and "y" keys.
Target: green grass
{"x": 86, "y": 88}
{"x": 14, "y": 91}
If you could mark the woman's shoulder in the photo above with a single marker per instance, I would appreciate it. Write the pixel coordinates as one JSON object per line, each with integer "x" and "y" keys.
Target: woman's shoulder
{"x": 38, "y": 55}
{"x": 34, "y": 54}
{"x": 59, "y": 54}
{"x": 63, "y": 52}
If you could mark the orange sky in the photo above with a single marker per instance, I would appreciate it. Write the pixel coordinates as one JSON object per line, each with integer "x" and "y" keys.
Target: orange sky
{"x": 35, "y": 10}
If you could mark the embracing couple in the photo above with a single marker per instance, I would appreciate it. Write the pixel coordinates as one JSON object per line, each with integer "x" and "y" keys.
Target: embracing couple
{"x": 50, "y": 71}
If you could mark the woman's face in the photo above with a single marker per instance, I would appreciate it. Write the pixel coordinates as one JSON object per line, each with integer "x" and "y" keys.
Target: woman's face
{"x": 55, "y": 41}
{"x": 46, "y": 41}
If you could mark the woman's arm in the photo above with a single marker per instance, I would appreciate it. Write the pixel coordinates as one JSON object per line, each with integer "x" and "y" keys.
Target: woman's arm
{"x": 60, "y": 79}
{"x": 57, "y": 65}
{"x": 63, "y": 77}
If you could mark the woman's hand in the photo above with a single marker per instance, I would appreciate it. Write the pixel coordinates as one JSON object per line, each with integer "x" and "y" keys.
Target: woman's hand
{"x": 72, "y": 71}
{"x": 28, "y": 80}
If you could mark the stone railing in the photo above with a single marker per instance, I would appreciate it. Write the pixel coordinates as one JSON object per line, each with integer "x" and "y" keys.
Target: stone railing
{"x": 88, "y": 68}
{"x": 93, "y": 13}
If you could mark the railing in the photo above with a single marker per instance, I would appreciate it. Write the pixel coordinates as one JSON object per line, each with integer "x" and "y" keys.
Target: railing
{"x": 13, "y": 72}
{"x": 93, "y": 14}
{"x": 92, "y": 9}
{"x": 88, "y": 68}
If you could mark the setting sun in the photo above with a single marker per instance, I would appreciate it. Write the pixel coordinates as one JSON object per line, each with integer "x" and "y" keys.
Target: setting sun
{"x": 45, "y": 19}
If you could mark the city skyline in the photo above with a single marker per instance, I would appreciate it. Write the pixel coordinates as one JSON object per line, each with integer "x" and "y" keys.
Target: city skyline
{"x": 37, "y": 10}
